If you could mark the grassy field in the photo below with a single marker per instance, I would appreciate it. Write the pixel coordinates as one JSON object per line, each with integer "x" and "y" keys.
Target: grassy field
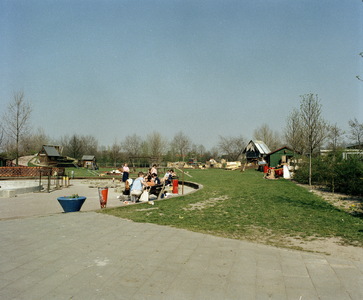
{"x": 243, "y": 205}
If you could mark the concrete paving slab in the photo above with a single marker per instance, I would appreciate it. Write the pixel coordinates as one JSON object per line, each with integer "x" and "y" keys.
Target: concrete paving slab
{"x": 46, "y": 254}
{"x": 43, "y": 203}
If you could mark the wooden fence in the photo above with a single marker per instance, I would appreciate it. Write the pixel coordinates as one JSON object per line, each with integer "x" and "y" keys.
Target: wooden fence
{"x": 30, "y": 171}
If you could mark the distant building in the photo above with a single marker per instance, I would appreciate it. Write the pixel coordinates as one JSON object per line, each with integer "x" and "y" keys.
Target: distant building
{"x": 281, "y": 156}
{"x": 349, "y": 151}
{"x": 88, "y": 161}
{"x": 5, "y": 162}
{"x": 49, "y": 155}
{"x": 354, "y": 146}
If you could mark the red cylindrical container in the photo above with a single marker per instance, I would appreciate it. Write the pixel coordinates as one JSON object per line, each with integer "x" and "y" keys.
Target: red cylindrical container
{"x": 265, "y": 168}
{"x": 102, "y": 193}
{"x": 175, "y": 186}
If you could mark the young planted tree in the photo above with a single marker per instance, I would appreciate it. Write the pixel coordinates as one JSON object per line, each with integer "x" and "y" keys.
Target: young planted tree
{"x": 314, "y": 127}
{"x": 16, "y": 120}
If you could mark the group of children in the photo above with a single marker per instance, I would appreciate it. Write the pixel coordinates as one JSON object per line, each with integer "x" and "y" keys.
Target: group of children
{"x": 152, "y": 178}
{"x": 135, "y": 188}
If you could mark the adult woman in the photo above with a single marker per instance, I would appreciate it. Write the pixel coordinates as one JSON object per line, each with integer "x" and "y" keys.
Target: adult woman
{"x": 125, "y": 174}
{"x": 154, "y": 170}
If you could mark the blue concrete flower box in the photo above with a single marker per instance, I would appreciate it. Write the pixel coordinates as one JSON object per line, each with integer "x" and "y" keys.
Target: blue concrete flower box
{"x": 71, "y": 204}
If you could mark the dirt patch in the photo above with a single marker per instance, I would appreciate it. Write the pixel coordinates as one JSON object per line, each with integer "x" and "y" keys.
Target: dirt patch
{"x": 328, "y": 246}
{"x": 351, "y": 204}
{"x": 205, "y": 204}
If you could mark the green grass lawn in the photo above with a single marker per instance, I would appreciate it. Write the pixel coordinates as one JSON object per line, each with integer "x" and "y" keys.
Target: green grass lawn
{"x": 243, "y": 205}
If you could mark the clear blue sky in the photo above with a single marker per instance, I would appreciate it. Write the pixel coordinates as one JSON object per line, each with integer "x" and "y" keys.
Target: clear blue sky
{"x": 207, "y": 68}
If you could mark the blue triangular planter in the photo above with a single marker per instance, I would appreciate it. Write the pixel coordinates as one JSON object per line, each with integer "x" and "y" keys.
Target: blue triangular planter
{"x": 71, "y": 204}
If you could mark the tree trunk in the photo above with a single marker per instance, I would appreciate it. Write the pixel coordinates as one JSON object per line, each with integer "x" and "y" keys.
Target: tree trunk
{"x": 310, "y": 166}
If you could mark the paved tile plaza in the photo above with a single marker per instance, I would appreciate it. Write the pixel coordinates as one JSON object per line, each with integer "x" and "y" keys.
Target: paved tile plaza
{"x": 46, "y": 254}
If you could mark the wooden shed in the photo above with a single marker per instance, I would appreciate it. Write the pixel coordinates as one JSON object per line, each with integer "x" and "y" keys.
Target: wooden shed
{"x": 5, "y": 162}
{"x": 49, "y": 155}
{"x": 88, "y": 161}
{"x": 280, "y": 156}
{"x": 255, "y": 151}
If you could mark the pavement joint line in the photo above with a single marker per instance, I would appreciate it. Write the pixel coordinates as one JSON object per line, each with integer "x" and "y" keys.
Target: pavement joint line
{"x": 40, "y": 245}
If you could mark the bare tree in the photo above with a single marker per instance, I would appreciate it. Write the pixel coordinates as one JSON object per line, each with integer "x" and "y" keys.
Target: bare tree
{"x": 193, "y": 151}
{"x": 315, "y": 128}
{"x": 182, "y": 143}
{"x": 63, "y": 141}
{"x": 214, "y": 152}
{"x": 268, "y": 136}
{"x": 32, "y": 143}
{"x": 232, "y": 147}
{"x": 75, "y": 146}
{"x": 17, "y": 120}
{"x": 356, "y": 132}
{"x": 335, "y": 137}
{"x": 293, "y": 132}
{"x": 157, "y": 145}
{"x": 39, "y": 139}
{"x": 115, "y": 152}
{"x": 132, "y": 145}
{"x": 358, "y": 77}
{"x": 89, "y": 144}
{"x": 201, "y": 151}
{"x": 2, "y": 136}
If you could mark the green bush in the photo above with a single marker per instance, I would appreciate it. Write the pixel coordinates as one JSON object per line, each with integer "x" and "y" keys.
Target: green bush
{"x": 320, "y": 171}
{"x": 349, "y": 174}
{"x": 339, "y": 175}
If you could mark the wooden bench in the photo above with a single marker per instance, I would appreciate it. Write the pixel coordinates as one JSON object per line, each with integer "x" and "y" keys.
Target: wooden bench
{"x": 157, "y": 190}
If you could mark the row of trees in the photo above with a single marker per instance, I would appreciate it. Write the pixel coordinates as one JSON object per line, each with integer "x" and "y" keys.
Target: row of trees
{"x": 305, "y": 132}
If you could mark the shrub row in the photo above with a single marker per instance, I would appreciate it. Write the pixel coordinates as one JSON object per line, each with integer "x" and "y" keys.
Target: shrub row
{"x": 339, "y": 175}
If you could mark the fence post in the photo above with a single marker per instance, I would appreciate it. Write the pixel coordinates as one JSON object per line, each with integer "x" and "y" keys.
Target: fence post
{"x": 40, "y": 180}
{"x": 50, "y": 172}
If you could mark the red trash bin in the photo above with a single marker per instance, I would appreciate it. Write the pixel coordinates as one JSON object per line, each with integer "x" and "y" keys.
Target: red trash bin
{"x": 175, "y": 186}
{"x": 265, "y": 168}
{"x": 102, "y": 193}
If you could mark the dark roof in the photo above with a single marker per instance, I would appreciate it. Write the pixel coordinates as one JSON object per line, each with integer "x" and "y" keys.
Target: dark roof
{"x": 260, "y": 146}
{"x": 88, "y": 157}
{"x": 284, "y": 147}
{"x": 51, "y": 151}
{"x": 353, "y": 145}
